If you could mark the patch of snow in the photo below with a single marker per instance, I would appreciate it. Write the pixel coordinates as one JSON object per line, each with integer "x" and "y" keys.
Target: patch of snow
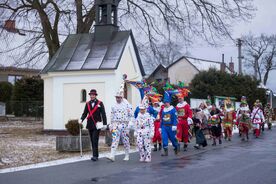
{"x": 60, "y": 162}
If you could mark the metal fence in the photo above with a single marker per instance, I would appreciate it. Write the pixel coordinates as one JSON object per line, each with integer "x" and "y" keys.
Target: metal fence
{"x": 25, "y": 108}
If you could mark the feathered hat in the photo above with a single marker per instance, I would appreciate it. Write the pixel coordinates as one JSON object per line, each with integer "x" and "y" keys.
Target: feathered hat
{"x": 183, "y": 90}
{"x": 155, "y": 98}
{"x": 227, "y": 103}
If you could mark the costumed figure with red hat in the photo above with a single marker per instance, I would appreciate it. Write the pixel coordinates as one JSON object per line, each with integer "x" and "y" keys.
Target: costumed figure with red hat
{"x": 257, "y": 118}
{"x": 185, "y": 115}
{"x": 229, "y": 118}
{"x": 157, "y": 140}
{"x": 144, "y": 131}
{"x": 169, "y": 123}
{"x": 121, "y": 114}
{"x": 268, "y": 112}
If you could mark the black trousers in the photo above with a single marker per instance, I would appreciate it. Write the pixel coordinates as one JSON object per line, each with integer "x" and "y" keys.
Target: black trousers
{"x": 94, "y": 137}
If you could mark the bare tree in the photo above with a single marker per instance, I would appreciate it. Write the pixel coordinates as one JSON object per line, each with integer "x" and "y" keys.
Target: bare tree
{"x": 165, "y": 53}
{"x": 154, "y": 19}
{"x": 260, "y": 55}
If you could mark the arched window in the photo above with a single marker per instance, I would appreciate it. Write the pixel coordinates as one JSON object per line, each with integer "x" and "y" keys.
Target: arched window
{"x": 83, "y": 95}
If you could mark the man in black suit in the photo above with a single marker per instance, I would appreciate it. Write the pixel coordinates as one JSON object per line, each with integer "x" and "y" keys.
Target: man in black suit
{"x": 94, "y": 112}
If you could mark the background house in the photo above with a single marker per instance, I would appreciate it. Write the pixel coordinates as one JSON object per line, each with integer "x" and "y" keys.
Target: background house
{"x": 90, "y": 61}
{"x": 160, "y": 74}
{"x": 12, "y": 74}
{"x": 185, "y": 68}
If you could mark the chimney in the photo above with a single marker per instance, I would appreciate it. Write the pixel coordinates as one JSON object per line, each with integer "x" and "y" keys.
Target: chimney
{"x": 222, "y": 65}
{"x": 10, "y": 25}
{"x": 231, "y": 66}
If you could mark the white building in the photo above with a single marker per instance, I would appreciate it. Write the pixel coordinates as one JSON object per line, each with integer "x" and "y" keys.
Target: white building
{"x": 185, "y": 68}
{"x": 90, "y": 61}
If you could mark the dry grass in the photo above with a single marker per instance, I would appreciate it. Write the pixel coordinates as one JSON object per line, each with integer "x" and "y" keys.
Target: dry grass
{"x": 23, "y": 143}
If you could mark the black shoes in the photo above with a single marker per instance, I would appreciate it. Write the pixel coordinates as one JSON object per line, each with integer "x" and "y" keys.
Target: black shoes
{"x": 185, "y": 147}
{"x": 220, "y": 142}
{"x": 214, "y": 143}
{"x": 94, "y": 159}
{"x": 196, "y": 146}
{"x": 160, "y": 146}
{"x": 155, "y": 147}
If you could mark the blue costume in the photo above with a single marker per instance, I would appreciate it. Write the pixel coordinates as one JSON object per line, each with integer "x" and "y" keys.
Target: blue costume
{"x": 169, "y": 119}
{"x": 169, "y": 124}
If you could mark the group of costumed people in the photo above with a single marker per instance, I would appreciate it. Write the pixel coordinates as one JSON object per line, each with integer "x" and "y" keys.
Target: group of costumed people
{"x": 155, "y": 121}
{"x": 221, "y": 121}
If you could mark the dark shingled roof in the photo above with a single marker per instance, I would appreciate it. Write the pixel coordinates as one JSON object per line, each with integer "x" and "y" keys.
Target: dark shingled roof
{"x": 82, "y": 52}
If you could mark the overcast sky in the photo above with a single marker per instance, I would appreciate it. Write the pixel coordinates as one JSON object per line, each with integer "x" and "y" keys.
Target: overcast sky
{"x": 263, "y": 22}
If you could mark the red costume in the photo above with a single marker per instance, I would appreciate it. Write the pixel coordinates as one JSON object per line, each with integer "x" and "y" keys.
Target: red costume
{"x": 184, "y": 112}
{"x": 157, "y": 138}
{"x": 157, "y": 135}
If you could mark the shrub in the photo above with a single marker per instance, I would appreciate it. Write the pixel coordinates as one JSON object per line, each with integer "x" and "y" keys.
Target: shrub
{"x": 73, "y": 127}
{"x": 5, "y": 91}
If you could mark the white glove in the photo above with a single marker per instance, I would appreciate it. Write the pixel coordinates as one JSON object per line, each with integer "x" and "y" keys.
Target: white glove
{"x": 80, "y": 121}
{"x": 174, "y": 128}
{"x": 151, "y": 134}
{"x": 160, "y": 130}
{"x": 190, "y": 121}
{"x": 104, "y": 127}
{"x": 135, "y": 134}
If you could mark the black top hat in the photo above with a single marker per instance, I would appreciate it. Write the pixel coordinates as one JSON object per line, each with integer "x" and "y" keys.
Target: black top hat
{"x": 93, "y": 92}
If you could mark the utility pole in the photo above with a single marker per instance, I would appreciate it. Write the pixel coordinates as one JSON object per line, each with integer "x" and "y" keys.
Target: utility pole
{"x": 256, "y": 66}
{"x": 239, "y": 44}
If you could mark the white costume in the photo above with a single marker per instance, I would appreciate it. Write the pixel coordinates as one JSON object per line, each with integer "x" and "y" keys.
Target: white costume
{"x": 257, "y": 117}
{"x": 121, "y": 114}
{"x": 144, "y": 130}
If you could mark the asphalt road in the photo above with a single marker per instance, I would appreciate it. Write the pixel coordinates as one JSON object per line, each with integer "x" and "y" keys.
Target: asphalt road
{"x": 235, "y": 162}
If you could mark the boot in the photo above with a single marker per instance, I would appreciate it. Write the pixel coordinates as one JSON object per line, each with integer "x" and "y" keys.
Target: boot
{"x": 177, "y": 149}
{"x": 165, "y": 152}
{"x": 160, "y": 147}
{"x": 196, "y": 146}
{"x": 185, "y": 147}
{"x": 214, "y": 142}
{"x": 155, "y": 147}
{"x": 111, "y": 157}
{"x": 147, "y": 160}
{"x": 220, "y": 142}
{"x": 229, "y": 139}
{"x": 126, "y": 157}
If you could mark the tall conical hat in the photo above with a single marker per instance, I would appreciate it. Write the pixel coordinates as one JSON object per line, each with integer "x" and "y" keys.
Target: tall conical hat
{"x": 121, "y": 90}
{"x": 168, "y": 95}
